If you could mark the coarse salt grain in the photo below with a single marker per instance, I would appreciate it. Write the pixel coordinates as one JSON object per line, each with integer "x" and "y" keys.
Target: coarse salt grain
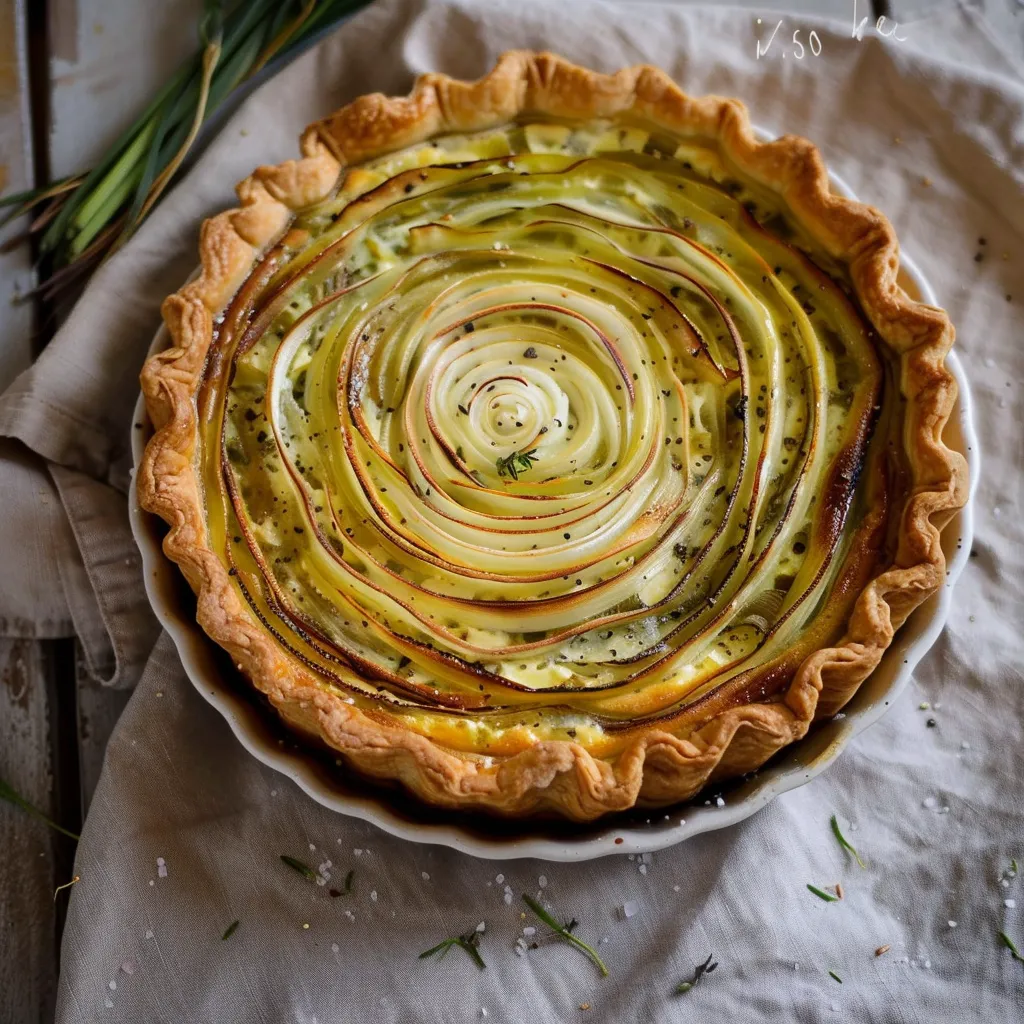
{"x": 149, "y": 934}
{"x": 543, "y": 881}
{"x": 1009, "y": 904}
{"x": 629, "y": 909}
{"x": 719, "y": 802}
{"x": 930, "y": 802}
{"x": 373, "y": 895}
{"x": 643, "y": 869}
{"x": 161, "y": 867}
{"x": 499, "y": 879}
{"x": 112, "y": 985}
{"x": 108, "y": 1003}
{"x": 128, "y": 967}
{"x": 952, "y": 924}
{"x": 482, "y": 927}
{"x": 335, "y": 948}
{"x": 529, "y": 931}
{"x": 425, "y": 875}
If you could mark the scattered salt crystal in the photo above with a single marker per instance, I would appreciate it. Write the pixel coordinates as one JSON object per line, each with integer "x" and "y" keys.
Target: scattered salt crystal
{"x": 273, "y": 792}
{"x": 603, "y": 940}
{"x": 161, "y": 867}
{"x": 1004, "y": 883}
{"x": 108, "y": 1003}
{"x": 938, "y": 705}
{"x": 930, "y": 802}
{"x": 425, "y": 875}
{"x": 964, "y": 745}
{"x": 529, "y": 931}
{"x": 358, "y": 853}
{"x": 675, "y": 888}
{"x": 643, "y": 869}
{"x": 482, "y": 927}
{"x": 499, "y": 879}
{"x": 508, "y": 899}
{"x": 151, "y": 882}
{"x": 335, "y": 948}
{"x": 719, "y": 802}
{"x": 629, "y": 909}
{"x": 483, "y": 1011}
{"x": 350, "y": 915}
{"x": 631, "y": 856}
{"x": 835, "y": 1007}
{"x": 128, "y": 967}
{"x": 952, "y": 924}
{"x": 373, "y": 895}
{"x": 796, "y": 966}
{"x": 927, "y": 965}
{"x": 149, "y": 933}
{"x": 1009, "y": 904}
{"x": 543, "y": 881}
{"x": 112, "y": 985}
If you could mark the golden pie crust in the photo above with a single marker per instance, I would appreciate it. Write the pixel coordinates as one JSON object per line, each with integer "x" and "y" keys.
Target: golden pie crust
{"x": 730, "y": 730}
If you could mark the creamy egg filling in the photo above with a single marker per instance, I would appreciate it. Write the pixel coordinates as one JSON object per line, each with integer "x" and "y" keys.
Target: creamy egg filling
{"x": 542, "y": 432}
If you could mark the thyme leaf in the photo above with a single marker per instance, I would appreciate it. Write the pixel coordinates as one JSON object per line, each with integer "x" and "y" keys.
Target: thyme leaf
{"x": 8, "y": 793}
{"x": 844, "y": 842}
{"x": 566, "y": 932}
{"x": 516, "y": 463}
{"x": 229, "y": 931}
{"x": 1011, "y": 946}
{"x": 296, "y": 865}
{"x": 698, "y": 972}
{"x": 469, "y": 942}
{"x": 822, "y": 895}
{"x": 835, "y": 977}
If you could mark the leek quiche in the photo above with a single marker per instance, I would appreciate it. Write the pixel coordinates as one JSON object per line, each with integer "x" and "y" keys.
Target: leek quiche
{"x": 550, "y": 444}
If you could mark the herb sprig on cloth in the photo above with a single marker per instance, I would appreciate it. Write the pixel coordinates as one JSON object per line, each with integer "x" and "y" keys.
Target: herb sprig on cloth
{"x": 565, "y": 931}
{"x": 470, "y": 942}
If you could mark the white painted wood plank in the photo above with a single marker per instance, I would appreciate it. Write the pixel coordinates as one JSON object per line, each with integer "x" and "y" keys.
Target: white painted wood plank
{"x": 15, "y": 175}
{"x": 108, "y": 58}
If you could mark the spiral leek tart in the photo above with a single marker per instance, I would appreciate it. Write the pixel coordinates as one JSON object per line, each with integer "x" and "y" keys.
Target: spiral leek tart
{"x": 548, "y": 443}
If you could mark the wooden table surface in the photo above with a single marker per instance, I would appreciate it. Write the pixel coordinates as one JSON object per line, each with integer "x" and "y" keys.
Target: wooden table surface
{"x": 73, "y": 74}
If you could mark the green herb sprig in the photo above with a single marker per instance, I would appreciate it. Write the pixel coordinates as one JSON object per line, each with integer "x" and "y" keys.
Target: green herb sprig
{"x": 835, "y": 977}
{"x": 82, "y": 218}
{"x": 822, "y": 895}
{"x": 565, "y": 931}
{"x": 698, "y": 972}
{"x": 8, "y": 793}
{"x": 469, "y": 942}
{"x": 844, "y": 842}
{"x": 1011, "y": 946}
{"x": 516, "y": 463}
{"x": 229, "y": 931}
{"x": 296, "y": 865}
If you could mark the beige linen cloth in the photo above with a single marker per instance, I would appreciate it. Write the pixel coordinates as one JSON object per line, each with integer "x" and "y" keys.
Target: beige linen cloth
{"x": 185, "y": 830}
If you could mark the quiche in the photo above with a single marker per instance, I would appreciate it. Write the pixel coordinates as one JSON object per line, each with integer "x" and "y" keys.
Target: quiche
{"x": 549, "y": 444}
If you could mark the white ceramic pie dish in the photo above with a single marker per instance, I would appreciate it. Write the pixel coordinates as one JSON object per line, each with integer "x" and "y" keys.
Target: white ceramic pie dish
{"x": 259, "y": 731}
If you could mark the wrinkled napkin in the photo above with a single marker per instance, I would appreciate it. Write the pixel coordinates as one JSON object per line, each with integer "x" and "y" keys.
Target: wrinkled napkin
{"x": 185, "y": 830}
